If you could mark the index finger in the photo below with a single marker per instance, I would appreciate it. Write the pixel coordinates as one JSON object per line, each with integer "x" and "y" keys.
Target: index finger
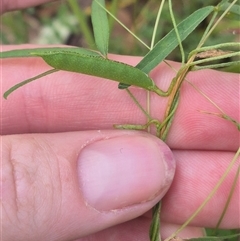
{"x": 67, "y": 101}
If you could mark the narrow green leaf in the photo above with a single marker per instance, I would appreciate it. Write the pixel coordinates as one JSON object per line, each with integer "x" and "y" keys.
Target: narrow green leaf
{"x": 28, "y": 52}
{"x": 232, "y": 68}
{"x": 220, "y": 66}
{"x": 155, "y": 224}
{"x": 100, "y": 26}
{"x": 233, "y": 13}
{"x": 223, "y": 2}
{"x": 168, "y": 43}
{"x": 215, "y": 238}
{"x": 13, "y": 88}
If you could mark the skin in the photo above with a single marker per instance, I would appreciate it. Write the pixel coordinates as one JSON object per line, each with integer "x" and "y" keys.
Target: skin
{"x": 56, "y": 112}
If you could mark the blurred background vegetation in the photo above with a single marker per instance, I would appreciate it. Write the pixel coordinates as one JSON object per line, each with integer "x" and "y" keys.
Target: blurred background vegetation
{"x": 68, "y": 22}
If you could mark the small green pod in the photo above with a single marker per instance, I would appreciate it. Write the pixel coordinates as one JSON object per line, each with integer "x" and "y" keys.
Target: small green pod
{"x": 97, "y": 66}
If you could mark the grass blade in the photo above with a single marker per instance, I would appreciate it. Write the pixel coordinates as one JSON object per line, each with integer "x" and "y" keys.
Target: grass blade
{"x": 13, "y": 88}
{"x": 233, "y": 13}
{"x": 235, "y": 181}
{"x": 215, "y": 238}
{"x": 100, "y": 26}
{"x": 168, "y": 43}
{"x": 28, "y": 52}
{"x": 155, "y": 224}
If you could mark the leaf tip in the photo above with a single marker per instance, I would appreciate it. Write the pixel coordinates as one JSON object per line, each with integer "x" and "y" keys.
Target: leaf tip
{"x": 5, "y": 95}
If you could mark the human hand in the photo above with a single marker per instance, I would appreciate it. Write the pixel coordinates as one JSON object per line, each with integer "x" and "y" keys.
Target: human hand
{"x": 47, "y": 194}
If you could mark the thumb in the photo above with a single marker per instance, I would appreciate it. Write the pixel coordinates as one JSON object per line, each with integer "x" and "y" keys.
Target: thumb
{"x": 65, "y": 186}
